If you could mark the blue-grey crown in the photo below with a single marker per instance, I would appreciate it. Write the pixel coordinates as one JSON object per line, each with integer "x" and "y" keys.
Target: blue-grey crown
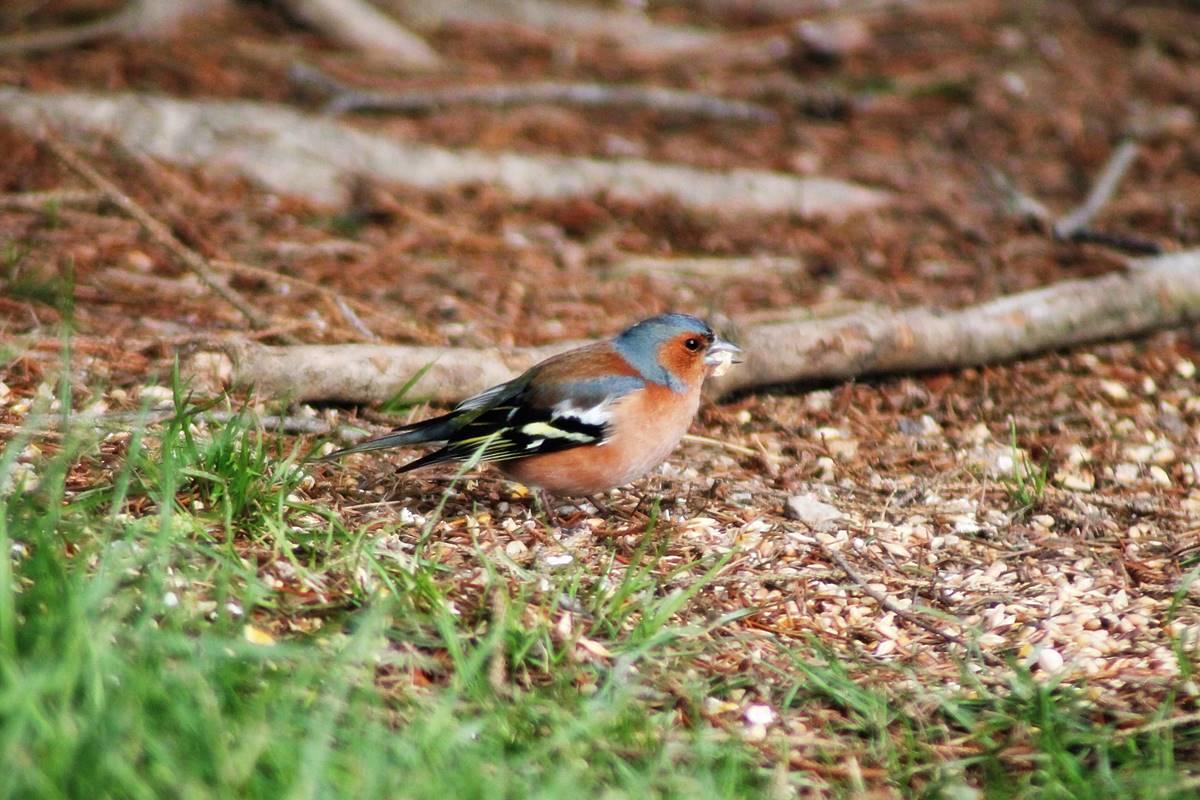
{"x": 639, "y": 344}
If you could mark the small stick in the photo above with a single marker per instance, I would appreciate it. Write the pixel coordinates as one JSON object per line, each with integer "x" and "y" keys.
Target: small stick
{"x": 888, "y": 604}
{"x": 43, "y": 424}
{"x": 352, "y": 318}
{"x": 1076, "y": 221}
{"x": 592, "y": 95}
{"x": 156, "y": 229}
{"x": 44, "y": 201}
{"x": 730, "y": 446}
{"x": 118, "y": 23}
{"x": 1134, "y": 245}
{"x": 347, "y": 434}
{"x": 1019, "y": 203}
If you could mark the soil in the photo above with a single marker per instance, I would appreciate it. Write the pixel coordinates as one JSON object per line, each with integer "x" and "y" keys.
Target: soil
{"x": 935, "y": 98}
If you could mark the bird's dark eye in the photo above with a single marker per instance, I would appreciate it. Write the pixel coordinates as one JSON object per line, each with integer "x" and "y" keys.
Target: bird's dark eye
{"x": 692, "y": 344}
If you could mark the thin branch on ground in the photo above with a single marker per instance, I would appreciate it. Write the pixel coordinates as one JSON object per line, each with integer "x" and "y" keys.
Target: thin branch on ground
{"x": 731, "y": 447}
{"x": 42, "y": 202}
{"x": 43, "y": 424}
{"x": 1075, "y": 225}
{"x": 309, "y": 426}
{"x": 1079, "y": 219}
{"x": 1019, "y": 204}
{"x": 710, "y": 268}
{"x": 1134, "y": 245}
{"x": 675, "y": 102}
{"x": 147, "y": 18}
{"x": 157, "y": 231}
{"x": 359, "y": 25}
{"x": 326, "y": 248}
{"x": 353, "y": 319}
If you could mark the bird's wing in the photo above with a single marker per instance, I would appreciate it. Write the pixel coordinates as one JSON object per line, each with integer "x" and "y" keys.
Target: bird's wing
{"x": 557, "y": 405}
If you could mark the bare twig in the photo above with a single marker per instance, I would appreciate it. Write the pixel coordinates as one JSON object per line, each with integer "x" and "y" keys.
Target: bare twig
{"x": 887, "y": 604}
{"x": 42, "y": 424}
{"x": 730, "y": 446}
{"x": 1077, "y": 220}
{"x": 352, "y": 318}
{"x": 156, "y": 229}
{"x": 358, "y": 24}
{"x": 1020, "y": 204}
{"x": 344, "y": 99}
{"x": 42, "y": 202}
{"x": 1074, "y": 226}
{"x": 327, "y": 248}
{"x": 138, "y": 18}
{"x": 310, "y": 426}
{"x": 1133, "y": 245}
{"x": 709, "y": 268}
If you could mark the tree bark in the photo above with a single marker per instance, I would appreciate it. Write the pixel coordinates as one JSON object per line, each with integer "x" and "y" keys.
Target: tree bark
{"x": 1154, "y": 293}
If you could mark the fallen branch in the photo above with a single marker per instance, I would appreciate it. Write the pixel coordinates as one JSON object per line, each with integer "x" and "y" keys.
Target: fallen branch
{"x": 365, "y": 373}
{"x": 153, "y": 227}
{"x": 321, "y": 158}
{"x": 345, "y": 99}
{"x": 359, "y": 25}
{"x": 139, "y": 18}
{"x": 1155, "y": 293}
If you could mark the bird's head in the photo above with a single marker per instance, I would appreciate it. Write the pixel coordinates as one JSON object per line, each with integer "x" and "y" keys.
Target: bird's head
{"x": 676, "y": 350}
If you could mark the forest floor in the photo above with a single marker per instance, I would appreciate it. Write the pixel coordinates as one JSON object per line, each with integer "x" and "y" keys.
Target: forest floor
{"x": 924, "y": 585}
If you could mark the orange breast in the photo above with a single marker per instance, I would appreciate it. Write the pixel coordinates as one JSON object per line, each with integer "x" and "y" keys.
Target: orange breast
{"x": 647, "y": 426}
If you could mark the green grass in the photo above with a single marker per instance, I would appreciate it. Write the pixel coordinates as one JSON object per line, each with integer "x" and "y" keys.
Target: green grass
{"x": 126, "y": 672}
{"x": 1026, "y": 484}
{"x": 134, "y": 662}
{"x": 21, "y": 280}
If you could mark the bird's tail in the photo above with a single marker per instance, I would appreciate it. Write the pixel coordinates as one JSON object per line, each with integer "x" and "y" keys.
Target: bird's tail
{"x": 438, "y": 429}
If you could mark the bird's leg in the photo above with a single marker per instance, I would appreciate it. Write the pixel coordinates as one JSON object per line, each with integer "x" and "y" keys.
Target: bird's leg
{"x": 552, "y": 520}
{"x": 644, "y": 498}
{"x": 601, "y": 508}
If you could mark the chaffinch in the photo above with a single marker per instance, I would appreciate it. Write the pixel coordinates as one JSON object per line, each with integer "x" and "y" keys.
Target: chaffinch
{"x": 584, "y": 421}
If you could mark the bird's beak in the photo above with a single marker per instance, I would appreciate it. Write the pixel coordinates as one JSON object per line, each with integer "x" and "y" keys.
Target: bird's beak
{"x": 722, "y": 353}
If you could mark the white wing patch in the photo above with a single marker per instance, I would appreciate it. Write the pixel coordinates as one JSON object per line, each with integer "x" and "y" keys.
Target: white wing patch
{"x": 598, "y": 415}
